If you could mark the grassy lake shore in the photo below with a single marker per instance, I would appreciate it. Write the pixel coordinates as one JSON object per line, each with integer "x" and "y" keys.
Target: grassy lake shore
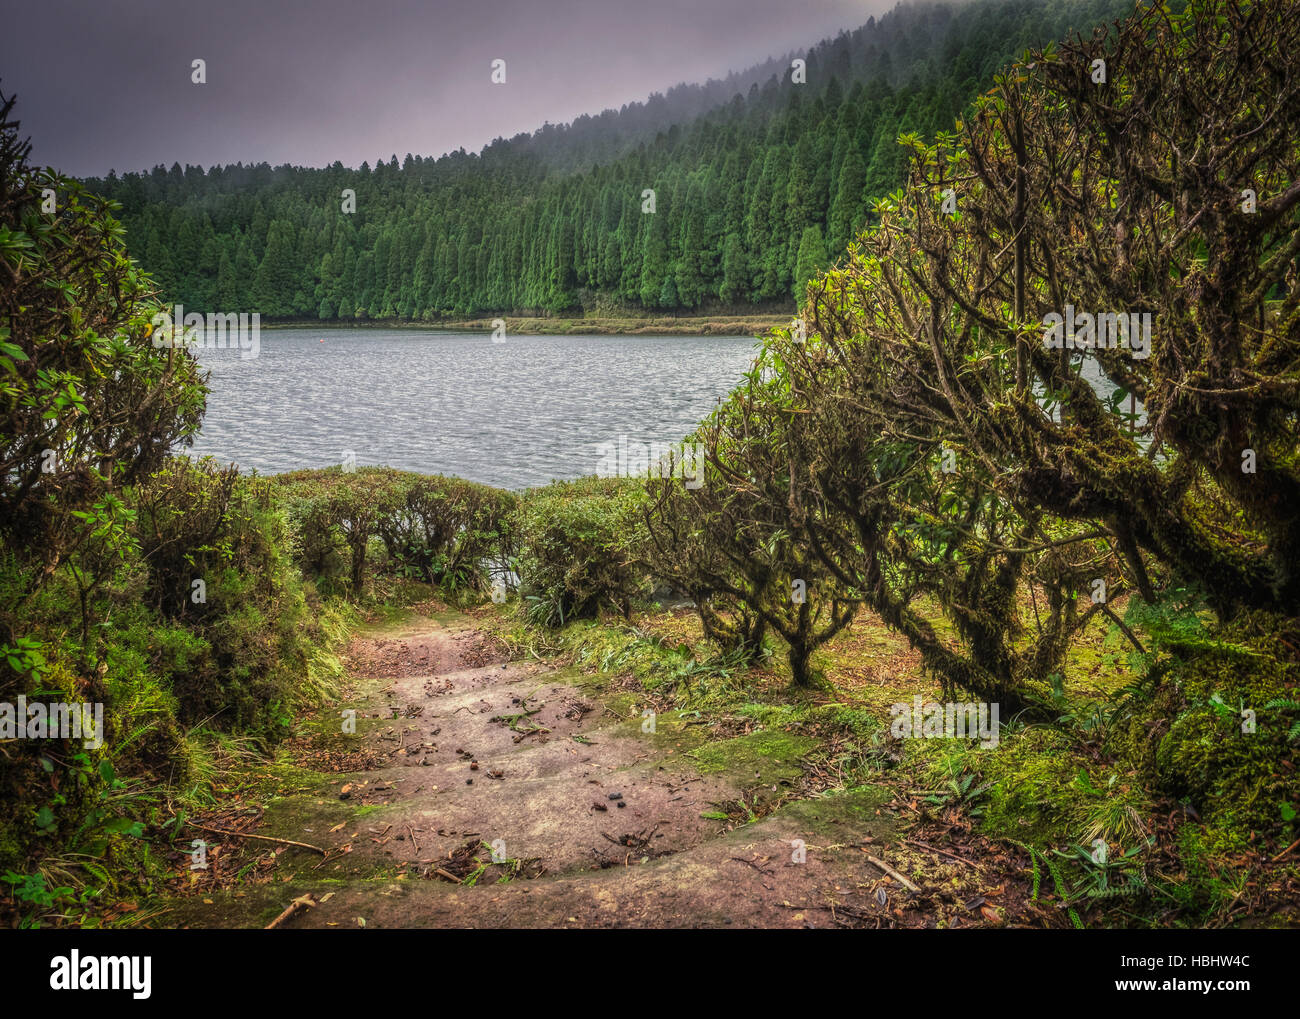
{"x": 669, "y": 325}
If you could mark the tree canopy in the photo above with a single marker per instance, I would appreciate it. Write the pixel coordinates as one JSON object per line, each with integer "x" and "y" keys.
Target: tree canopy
{"x": 757, "y": 183}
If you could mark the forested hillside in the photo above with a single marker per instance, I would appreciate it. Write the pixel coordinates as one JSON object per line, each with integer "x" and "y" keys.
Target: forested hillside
{"x": 751, "y": 196}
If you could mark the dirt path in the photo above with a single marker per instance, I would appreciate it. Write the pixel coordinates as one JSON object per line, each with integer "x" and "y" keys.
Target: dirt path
{"x": 481, "y": 793}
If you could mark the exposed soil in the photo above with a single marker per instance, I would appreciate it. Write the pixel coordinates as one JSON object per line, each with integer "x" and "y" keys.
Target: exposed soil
{"x": 477, "y": 792}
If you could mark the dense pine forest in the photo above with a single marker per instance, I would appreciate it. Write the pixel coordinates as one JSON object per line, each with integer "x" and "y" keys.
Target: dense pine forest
{"x": 759, "y": 181}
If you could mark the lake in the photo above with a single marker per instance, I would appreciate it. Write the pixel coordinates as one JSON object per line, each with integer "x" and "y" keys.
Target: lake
{"x": 512, "y": 414}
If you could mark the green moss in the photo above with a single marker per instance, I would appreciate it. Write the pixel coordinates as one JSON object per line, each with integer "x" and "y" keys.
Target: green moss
{"x": 768, "y": 755}
{"x": 858, "y": 722}
{"x": 780, "y": 715}
{"x": 1186, "y": 736}
{"x": 1041, "y": 789}
{"x": 283, "y": 778}
{"x": 860, "y": 806}
{"x": 1205, "y": 884}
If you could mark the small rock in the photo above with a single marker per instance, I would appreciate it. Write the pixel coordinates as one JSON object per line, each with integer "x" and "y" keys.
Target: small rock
{"x": 615, "y": 796}
{"x": 621, "y": 804}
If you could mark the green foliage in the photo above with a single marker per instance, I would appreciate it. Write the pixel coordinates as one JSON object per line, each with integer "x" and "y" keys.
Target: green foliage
{"x": 743, "y": 169}
{"x": 577, "y": 546}
{"x": 1186, "y": 729}
{"x": 448, "y": 532}
{"x": 827, "y": 468}
{"x": 735, "y": 540}
{"x": 811, "y": 259}
{"x": 101, "y": 538}
{"x": 1290, "y": 705}
{"x": 184, "y": 522}
{"x": 335, "y": 514}
{"x": 961, "y": 790}
{"x": 87, "y": 403}
{"x": 217, "y": 551}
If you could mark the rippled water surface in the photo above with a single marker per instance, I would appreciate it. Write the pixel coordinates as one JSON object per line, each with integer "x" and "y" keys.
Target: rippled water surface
{"x": 514, "y": 414}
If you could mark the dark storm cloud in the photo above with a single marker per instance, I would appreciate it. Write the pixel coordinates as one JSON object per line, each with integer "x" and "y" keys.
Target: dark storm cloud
{"x": 107, "y": 84}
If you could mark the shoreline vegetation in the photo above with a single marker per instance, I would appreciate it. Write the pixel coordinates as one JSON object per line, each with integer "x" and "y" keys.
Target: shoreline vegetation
{"x": 910, "y": 508}
{"x": 599, "y": 325}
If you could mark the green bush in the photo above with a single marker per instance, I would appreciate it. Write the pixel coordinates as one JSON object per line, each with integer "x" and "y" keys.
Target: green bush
{"x": 103, "y": 541}
{"x": 218, "y": 554}
{"x": 441, "y": 530}
{"x": 182, "y": 527}
{"x": 88, "y": 403}
{"x": 577, "y": 541}
{"x": 447, "y": 531}
{"x": 88, "y": 406}
{"x": 335, "y": 513}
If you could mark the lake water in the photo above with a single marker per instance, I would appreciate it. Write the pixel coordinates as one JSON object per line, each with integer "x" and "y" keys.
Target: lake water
{"x": 513, "y": 414}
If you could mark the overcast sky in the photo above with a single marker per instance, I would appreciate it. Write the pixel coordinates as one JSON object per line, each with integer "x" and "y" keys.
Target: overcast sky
{"x": 106, "y": 84}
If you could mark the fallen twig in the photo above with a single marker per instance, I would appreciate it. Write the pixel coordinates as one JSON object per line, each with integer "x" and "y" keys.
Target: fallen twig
{"x": 262, "y": 838}
{"x": 299, "y": 904}
{"x": 893, "y": 873}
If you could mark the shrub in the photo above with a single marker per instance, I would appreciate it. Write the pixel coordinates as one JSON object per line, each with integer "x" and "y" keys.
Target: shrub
{"x": 88, "y": 403}
{"x": 201, "y": 524}
{"x": 335, "y": 514}
{"x": 577, "y": 541}
{"x": 182, "y": 517}
{"x": 447, "y": 531}
{"x": 101, "y": 538}
{"x": 88, "y": 406}
{"x": 736, "y": 542}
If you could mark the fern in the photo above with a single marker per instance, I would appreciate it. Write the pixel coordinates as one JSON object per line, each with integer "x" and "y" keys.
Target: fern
{"x": 1286, "y": 704}
{"x": 1057, "y": 880}
{"x": 131, "y": 737}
